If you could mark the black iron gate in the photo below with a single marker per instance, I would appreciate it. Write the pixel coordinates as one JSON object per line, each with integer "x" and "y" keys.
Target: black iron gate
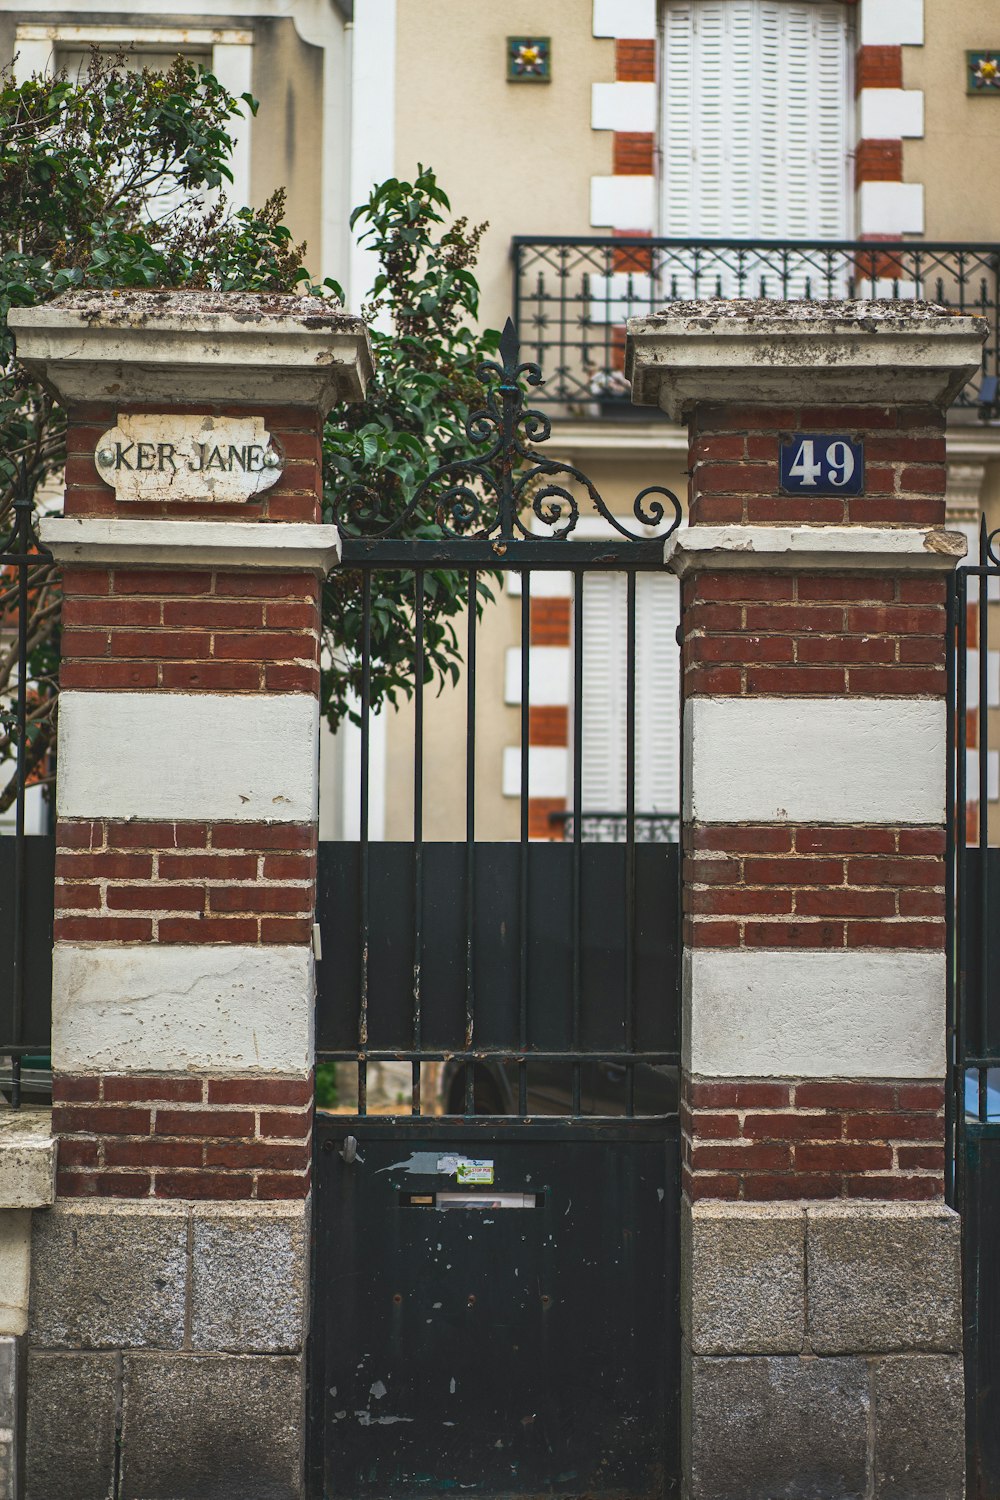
{"x": 495, "y": 1267}
{"x": 973, "y": 901}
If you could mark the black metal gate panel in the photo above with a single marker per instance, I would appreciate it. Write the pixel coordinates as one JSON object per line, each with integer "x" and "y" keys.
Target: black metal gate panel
{"x": 495, "y": 1275}
{"x": 526, "y": 1346}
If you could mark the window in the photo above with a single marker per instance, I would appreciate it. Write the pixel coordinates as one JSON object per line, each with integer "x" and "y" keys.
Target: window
{"x": 756, "y": 114}
{"x": 605, "y": 693}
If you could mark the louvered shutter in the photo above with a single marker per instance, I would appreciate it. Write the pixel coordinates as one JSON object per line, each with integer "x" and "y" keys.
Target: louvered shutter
{"x": 605, "y": 687}
{"x": 756, "y": 113}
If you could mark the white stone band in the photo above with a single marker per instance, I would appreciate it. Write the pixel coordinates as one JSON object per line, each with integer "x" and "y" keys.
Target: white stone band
{"x": 837, "y": 548}
{"x": 273, "y": 546}
{"x": 155, "y": 1008}
{"x": 814, "y": 760}
{"x": 184, "y": 756}
{"x": 818, "y": 1014}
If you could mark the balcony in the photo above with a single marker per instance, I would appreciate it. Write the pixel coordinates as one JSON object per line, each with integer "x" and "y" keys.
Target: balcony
{"x": 573, "y": 295}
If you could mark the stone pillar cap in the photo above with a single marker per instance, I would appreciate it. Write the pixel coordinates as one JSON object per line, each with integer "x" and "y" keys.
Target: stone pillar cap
{"x": 186, "y": 347}
{"x": 760, "y": 350}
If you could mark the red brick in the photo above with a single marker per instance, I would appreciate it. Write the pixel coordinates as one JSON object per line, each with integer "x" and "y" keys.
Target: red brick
{"x": 214, "y": 614}
{"x": 716, "y": 510}
{"x": 895, "y": 935}
{"x": 724, "y": 446}
{"x": 921, "y": 1096}
{"x": 248, "y": 1155}
{"x": 767, "y": 1189}
{"x": 716, "y": 1127}
{"x": 828, "y": 681}
{"x": 794, "y": 618}
{"x": 716, "y": 617}
{"x": 841, "y": 418}
{"x": 286, "y": 1125}
{"x": 263, "y": 836}
{"x": 764, "y": 510}
{"x": 920, "y": 1158}
{"x": 844, "y": 840}
{"x": 842, "y": 902}
{"x": 102, "y": 929}
{"x": 878, "y": 161}
{"x": 283, "y": 677}
{"x": 734, "y": 839}
{"x": 714, "y": 935}
{"x": 922, "y": 841}
{"x": 104, "y": 674}
{"x": 260, "y": 898}
{"x": 103, "y": 1184}
{"x": 895, "y": 1189}
{"x": 105, "y": 611}
{"x": 267, "y": 585}
{"x": 207, "y": 930}
{"x": 768, "y": 1156}
{"x": 860, "y": 650}
{"x": 822, "y": 586}
{"x": 70, "y": 1089}
{"x": 897, "y": 871}
{"x": 105, "y": 866}
{"x": 177, "y": 1090}
{"x": 921, "y": 904}
{"x": 923, "y": 479}
{"x": 211, "y": 676}
{"x": 879, "y": 68}
{"x": 157, "y": 835}
{"x": 204, "y": 1122}
{"x": 99, "y": 1119}
{"x": 286, "y": 929}
{"x": 76, "y": 897}
{"x": 753, "y": 587}
{"x": 275, "y": 1185}
{"x": 289, "y": 867}
{"x": 208, "y": 866}
{"x": 837, "y": 1157}
{"x": 292, "y": 1091}
{"x": 739, "y": 1094}
{"x": 76, "y": 1152}
{"x": 921, "y": 591}
{"x": 292, "y": 616}
{"x": 71, "y": 834}
{"x": 156, "y": 897}
{"x": 153, "y": 1153}
{"x": 175, "y": 645}
{"x": 790, "y": 1127}
{"x": 737, "y": 902}
{"x": 928, "y": 681}
{"x": 740, "y": 648}
{"x": 632, "y": 153}
{"x": 730, "y": 416}
{"x": 712, "y": 1185}
{"x": 806, "y": 934}
{"x": 89, "y": 643}
{"x": 736, "y": 478}
{"x": 844, "y": 1094}
{"x": 793, "y": 871}
{"x": 82, "y": 580}
{"x": 893, "y": 1127}
{"x": 719, "y": 681}
{"x": 220, "y": 1185}
{"x": 635, "y": 61}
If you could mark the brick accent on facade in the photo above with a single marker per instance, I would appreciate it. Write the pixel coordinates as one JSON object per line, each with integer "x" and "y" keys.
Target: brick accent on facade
{"x": 814, "y": 887}
{"x": 134, "y": 1136}
{"x": 878, "y": 161}
{"x": 764, "y": 633}
{"x": 812, "y": 1138}
{"x": 190, "y": 631}
{"x": 733, "y": 462}
{"x": 635, "y": 61}
{"x": 633, "y": 153}
{"x": 185, "y": 882}
{"x": 879, "y": 68}
{"x": 295, "y": 497}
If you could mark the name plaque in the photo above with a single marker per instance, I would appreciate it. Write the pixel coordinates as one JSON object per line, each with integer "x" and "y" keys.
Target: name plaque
{"x": 224, "y": 460}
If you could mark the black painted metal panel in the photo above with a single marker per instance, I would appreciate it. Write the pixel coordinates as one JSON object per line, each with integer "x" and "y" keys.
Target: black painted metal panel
{"x": 37, "y": 908}
{"x": 496, "y": 1352}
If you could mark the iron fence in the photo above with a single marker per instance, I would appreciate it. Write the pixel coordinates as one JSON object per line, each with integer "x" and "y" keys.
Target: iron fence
{"x": 26, "y": 863}
{"x": 613, "y": 827}
{"x": 572, "y": 295}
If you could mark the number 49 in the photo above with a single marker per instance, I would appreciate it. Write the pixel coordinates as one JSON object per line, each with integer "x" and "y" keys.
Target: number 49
{"x": 838, "y": 458}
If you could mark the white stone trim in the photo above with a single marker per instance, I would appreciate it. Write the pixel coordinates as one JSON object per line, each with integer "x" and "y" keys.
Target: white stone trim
{"x": 549, "y": 672}
{"x": 819, "y": 548}
{"x": 891, "y": 23}
{"x": 373, "y": 126}
{"x": 718, "y": 350}
{"x": 841, "y": 1013}
{"x": 157, "y": 1007}
{"x": 247, "y": 757}
{"x": 634, "y": 20}
{"x": 27, "y": 1159}
{"x": 167, "y": 36}
{"x": 623, "y": 106}
{"x": 275, "y": 546}
{"x": 814, "y": 760}
{"x": 622, "y": 202}
{"x": 548, "y": 771}
{"x": 191, "y": 347}
{"x": 890, "y": 114}
{"x": 891, "y": 208}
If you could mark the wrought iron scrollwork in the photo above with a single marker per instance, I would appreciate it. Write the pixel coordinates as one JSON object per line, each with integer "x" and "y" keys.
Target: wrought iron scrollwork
{"x": 509, "y": 492}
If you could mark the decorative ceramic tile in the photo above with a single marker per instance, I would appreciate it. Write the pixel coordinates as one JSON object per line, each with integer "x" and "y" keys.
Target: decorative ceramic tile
{"x": 983, "y": 72}
{"x": 529, "y": 59}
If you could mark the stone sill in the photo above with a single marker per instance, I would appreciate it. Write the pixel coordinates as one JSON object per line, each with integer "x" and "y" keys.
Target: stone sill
{"x": 284, "y": 546}
{"x": 27, "y": 1159}
{"x": 823, "y": 548}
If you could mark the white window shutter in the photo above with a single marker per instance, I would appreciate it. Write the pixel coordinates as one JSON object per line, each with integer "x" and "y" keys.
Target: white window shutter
{"x": 756, "y": 113}
{"x": 605, "y": 689}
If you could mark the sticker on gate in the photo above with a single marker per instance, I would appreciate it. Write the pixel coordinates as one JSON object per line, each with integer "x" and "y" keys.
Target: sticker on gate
{"x": 468, "y": 1172}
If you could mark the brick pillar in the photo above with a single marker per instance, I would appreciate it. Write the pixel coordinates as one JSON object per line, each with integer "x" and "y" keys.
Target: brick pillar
{"x": 169, "y": 1283}
{"x": 821, "y": 1290}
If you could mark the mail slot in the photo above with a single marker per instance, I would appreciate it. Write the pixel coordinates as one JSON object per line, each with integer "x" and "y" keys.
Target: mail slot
{"x": 450, "y": 1199}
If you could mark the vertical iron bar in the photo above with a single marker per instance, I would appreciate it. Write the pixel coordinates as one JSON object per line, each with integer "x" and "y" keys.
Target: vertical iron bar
{"x": 418, "y": 832}
{"x": 961, "y": 863}
{"x": 363, "y": 857}
{"x": 951, "y": 1022}
{"x": 522, "y": 1067}
{"x": 22, "y": 511}
{"x": 630, "y": 845}
{"x": 984, "y": 880}
{"x": 470, "y": 842}
{"x": 577, "y": 828}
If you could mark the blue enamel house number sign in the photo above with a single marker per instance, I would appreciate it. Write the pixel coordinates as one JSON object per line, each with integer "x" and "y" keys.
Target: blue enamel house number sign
{"x": 822, "y": 463}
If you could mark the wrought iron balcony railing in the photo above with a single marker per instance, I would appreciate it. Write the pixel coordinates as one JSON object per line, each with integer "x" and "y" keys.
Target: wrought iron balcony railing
{"x": 573, "y": 295}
